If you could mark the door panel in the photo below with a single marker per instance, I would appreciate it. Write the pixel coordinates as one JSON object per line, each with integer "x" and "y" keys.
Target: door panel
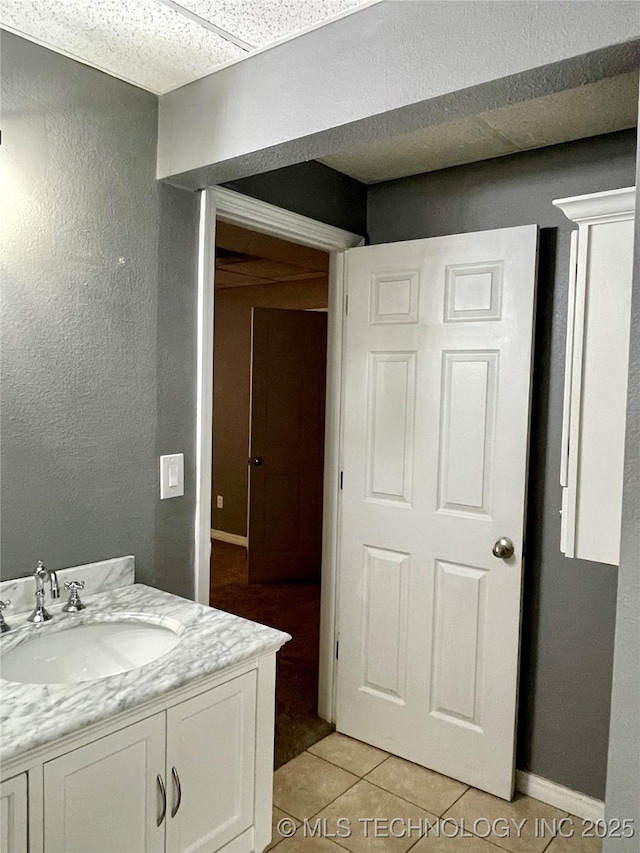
{"x": 210, "y": 767}
{"x": 13, "y": 815}
{"x": 390, "y": 426}
{"x": 105, "y": 796}
{"x": 459, "y": 614}
{"x": 385, "y": 651}
{"x": 287, "y": 438}
{"x": 465, "y": 461}
{"x": 435, "y": 431}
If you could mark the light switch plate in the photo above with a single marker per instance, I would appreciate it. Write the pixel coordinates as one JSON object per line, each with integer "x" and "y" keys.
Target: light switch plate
{"x": 171, "y": 476}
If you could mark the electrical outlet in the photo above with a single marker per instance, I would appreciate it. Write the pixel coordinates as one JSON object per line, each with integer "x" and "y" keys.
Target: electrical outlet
{"x": 219, "y": 502}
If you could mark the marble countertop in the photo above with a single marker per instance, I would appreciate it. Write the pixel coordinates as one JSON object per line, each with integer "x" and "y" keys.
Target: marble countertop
{"x": 33, "y": 715}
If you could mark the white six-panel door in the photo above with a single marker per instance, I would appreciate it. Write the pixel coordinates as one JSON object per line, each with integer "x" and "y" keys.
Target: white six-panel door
{"x": 435, "y": 432}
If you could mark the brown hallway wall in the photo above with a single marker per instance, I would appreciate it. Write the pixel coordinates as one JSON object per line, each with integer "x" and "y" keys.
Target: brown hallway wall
{"x": 232, "y": 377}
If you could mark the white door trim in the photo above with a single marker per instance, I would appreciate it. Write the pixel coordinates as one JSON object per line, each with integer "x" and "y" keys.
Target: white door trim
{"x": 229, "y": 206}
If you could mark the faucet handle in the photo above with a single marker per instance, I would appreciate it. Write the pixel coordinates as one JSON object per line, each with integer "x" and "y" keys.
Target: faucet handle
{"x": 3, "y": 625}
{"x": 74, "y": 605}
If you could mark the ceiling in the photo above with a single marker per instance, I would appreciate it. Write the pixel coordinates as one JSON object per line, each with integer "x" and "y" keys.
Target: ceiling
{"x": 245, "y": 258}
{"x": 161, "y": 45}
{"x": 588, "y": 110}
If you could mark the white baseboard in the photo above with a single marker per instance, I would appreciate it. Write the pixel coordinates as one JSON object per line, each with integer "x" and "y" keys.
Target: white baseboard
{"x": 231, "y": 538}
{"x": 580, "y": 805}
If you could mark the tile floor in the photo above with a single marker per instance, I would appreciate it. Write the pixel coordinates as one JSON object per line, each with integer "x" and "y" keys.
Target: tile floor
{"x": 340, "y": 779}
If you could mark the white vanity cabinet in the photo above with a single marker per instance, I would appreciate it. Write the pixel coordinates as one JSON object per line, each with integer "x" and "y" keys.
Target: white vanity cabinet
{"x": 128, "y": 792}
{"x": 597, "y": 355}
{"x": 13, "y": 815}
{"x": 190, "y": 771}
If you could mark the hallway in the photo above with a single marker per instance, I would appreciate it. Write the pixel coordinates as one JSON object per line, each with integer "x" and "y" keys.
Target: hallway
{"x": 294, "y": 608}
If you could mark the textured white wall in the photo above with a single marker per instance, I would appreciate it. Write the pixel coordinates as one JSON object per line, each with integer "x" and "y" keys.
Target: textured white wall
{"x": 334, "y": 88}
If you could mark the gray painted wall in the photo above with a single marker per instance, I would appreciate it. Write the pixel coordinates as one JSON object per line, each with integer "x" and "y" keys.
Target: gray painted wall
{"x": 569, "y": 605}
{"x": 98, "y": 362}
{"x": 623, "y": 776}
{"x": 386, "y": 69}
{"x": 314, "y": 190}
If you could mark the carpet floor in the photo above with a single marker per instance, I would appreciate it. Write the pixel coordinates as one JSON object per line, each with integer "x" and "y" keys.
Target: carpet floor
{"x": 294, "y": 608}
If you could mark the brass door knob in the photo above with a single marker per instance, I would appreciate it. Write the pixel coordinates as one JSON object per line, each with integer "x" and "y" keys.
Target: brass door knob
{"x": 503, "y": 548}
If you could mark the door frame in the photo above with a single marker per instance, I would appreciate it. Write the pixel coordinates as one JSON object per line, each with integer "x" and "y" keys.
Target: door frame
{"x": 255, "y": 215}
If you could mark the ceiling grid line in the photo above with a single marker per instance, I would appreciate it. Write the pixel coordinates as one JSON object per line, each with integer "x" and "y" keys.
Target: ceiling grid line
{"x": 208, "y": 25}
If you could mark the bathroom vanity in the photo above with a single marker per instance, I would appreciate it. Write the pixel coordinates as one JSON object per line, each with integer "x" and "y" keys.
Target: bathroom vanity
{"x": 172, "y": 755}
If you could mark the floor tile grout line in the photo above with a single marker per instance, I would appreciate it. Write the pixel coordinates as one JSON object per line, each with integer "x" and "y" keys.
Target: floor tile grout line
{"x": 466, "y": 791}
{"x": 286, "y": 814}
{"x": 375, "y": 784}
{"x": 404, "y": 799}
{"x": 315, "y": 814}
{"x": 331, "y": 802}
{"x": 328, "y": 760}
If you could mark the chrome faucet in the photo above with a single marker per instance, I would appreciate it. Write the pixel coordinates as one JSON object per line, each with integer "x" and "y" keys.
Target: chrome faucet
{"x": 41, "y": 575}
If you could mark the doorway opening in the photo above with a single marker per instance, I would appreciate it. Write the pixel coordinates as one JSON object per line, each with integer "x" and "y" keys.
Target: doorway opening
{"x": 271, "y": 305}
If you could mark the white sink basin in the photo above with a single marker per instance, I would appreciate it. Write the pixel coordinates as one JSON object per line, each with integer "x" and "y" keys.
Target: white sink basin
{"x": 86, "y": 652}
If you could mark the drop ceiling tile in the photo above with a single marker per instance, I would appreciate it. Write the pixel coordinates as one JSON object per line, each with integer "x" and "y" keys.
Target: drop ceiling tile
{"x": 225, "y": 278}
{"x": 141, "y": 41}
{"x": 260, "y": 22}
{"x": 268, "y": 269}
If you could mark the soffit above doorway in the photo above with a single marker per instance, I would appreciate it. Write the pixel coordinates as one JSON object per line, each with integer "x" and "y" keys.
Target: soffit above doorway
{"x": 160, "y": 45}
{"x": 590, "y": 110}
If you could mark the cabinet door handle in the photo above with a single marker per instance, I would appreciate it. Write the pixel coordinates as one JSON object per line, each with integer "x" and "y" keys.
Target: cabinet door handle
{"x": 163, "y": 794}
{"x": 178, "y": 792}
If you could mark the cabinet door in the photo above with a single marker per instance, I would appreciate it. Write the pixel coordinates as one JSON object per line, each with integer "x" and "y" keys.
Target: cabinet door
{"x": 597, "y": 357}
{"x": 13, "y": 815}
{"x": 105, "y": 797}
{"x": 210, "y": 765}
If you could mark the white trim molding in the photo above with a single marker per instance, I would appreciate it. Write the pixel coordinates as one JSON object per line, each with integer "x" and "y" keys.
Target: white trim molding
{"x": 255, "y": 215}
{"x": 204, "y": 396}
{"x": 606, "y": 206}
{"x": 231, "y": 538}
{"x": 565, "y": 799}
{"x": 266, "y": 218}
